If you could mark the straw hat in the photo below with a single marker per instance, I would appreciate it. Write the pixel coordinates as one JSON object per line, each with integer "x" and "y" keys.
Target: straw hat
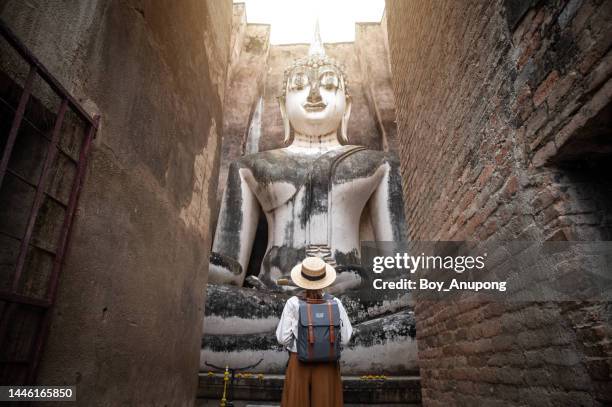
{"x": 313, "y": 274}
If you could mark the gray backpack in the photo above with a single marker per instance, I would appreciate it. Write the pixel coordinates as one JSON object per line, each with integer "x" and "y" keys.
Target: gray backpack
{"x": 319, "y": 330}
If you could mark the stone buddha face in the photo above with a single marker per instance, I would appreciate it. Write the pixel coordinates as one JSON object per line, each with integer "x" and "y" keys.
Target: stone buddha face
{"x": 315, "y": 101}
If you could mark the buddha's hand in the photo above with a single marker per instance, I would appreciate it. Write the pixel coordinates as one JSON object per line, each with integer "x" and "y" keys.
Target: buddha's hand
{"x": 224, "y": 269}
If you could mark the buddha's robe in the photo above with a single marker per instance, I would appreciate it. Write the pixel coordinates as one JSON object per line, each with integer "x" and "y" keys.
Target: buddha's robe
{"x": 313, "y": 206}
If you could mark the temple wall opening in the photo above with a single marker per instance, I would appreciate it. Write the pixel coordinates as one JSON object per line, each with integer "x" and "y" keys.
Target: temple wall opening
{"x": 253, "y": 123}
{"x": 257, "y": 73}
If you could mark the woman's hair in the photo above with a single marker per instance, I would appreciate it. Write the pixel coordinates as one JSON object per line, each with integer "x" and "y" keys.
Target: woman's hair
{"x": 314, "y": 294}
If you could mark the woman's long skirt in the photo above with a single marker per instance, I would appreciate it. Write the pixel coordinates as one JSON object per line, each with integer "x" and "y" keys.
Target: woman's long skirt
{"x": 312, "y": 384}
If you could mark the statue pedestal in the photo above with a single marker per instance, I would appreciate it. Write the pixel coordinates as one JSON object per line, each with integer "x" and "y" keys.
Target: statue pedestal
{"x": 240, "y": 326}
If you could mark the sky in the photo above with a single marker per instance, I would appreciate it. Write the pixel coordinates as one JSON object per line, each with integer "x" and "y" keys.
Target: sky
{"x": 292, "y": 21}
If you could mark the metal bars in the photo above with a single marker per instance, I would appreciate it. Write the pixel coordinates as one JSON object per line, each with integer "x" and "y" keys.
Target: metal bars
{"x": 40, "y": 189}
{"x": 10, "y": 140}
{"x": 15, "y": 304}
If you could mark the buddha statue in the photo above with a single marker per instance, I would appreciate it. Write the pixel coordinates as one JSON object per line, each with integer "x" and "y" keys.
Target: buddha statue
{"x": 313, "y": 192}
{"x": 321, "y": 196}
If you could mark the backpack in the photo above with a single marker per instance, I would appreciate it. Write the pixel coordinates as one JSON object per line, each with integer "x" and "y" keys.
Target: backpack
{"x": 318, "y": 337}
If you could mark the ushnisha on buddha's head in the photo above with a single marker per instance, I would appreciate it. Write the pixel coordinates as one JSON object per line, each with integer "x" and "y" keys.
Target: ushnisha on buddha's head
{"x": 315, "y": 99}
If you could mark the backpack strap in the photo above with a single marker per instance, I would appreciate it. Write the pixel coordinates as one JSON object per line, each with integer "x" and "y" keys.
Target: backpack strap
{"x": 332, "y": 335}
{"x": 310, "y": 329}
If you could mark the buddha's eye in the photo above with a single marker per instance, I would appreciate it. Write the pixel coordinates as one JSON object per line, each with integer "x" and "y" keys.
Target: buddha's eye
{"x": 298, "y": 81}
{"x": 329, "y": 80}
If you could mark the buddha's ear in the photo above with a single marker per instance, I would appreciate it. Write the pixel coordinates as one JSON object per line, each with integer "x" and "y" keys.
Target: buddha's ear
{"x": 286, "y": 125}
{"x": 345, "y": 120}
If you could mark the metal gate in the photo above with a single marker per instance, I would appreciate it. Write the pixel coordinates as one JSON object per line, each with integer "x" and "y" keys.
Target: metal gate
{"x": 45, "y": 138}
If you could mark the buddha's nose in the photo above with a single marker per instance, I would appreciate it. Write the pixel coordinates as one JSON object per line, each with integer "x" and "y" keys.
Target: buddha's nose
{"x": 314, "y": 96}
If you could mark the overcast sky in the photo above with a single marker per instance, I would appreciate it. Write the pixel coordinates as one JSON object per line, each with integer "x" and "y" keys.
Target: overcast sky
{"x": 293, "y": 21}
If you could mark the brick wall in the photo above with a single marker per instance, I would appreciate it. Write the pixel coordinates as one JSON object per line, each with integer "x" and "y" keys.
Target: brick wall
{"x": 503, "y": 109}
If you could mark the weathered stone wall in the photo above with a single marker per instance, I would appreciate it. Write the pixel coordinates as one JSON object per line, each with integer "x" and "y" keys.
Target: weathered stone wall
{"x": 245, "y": 86}
{"x": 503, "y": 108}
{"x": 127, "y": 324}
{"x": 373, "y": 55}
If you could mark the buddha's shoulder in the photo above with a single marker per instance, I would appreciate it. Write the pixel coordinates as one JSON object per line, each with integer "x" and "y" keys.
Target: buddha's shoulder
{"x": 273, "y": 165}
{"x": 367, "y": 158}
{"x": 271, "y": 157}
{"x": 364, "y": 163}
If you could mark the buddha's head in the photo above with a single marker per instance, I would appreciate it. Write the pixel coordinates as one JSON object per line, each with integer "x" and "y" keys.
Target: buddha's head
{"x": 315, "y": 99}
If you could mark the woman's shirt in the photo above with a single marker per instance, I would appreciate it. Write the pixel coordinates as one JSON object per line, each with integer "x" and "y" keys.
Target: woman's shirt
{"x": 287, "y": 329}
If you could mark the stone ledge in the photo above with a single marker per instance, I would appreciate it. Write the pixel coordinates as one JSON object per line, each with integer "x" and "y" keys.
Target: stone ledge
{"x": 393, "y": 390}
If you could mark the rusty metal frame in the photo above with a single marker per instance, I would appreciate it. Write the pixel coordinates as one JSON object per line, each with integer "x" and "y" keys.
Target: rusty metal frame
{"x": 14, "y": 298}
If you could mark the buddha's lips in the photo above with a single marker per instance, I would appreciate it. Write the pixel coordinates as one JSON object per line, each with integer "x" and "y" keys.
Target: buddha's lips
{"x": 314, "y": 107}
